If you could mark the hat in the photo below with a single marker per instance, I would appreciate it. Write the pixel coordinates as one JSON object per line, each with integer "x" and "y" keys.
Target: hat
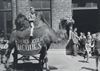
{"x": 32, "y": 8}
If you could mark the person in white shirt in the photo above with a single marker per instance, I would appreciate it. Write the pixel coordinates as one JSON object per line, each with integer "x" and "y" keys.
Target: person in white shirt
{"x": 88, "y": 45}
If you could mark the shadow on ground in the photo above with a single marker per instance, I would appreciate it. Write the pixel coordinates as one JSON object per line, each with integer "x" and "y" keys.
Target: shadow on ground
{"x": 83, "y": 61}
{"x": 29, "y": 67}
{"x": 90, "y": 69}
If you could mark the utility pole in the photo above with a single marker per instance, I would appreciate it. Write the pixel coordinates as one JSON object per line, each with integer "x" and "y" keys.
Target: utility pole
{"x": 14, "y": 12}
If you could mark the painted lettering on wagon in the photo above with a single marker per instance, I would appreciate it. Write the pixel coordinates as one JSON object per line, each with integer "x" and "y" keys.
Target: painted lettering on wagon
{"x": 26, "y": 41}
{"x": 29, "y": 47}
{"x": 25, "y": 46}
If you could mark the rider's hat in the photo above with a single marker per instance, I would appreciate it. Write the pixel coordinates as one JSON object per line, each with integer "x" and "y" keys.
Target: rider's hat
{"x": 32, "y": 8}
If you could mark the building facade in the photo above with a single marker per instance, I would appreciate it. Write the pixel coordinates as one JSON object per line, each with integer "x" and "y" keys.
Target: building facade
{"x": 85, "y": 14}
{"x": 53, "y": 10}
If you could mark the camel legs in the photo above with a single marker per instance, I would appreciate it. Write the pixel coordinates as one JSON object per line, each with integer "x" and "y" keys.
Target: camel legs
{"x": 44, "y": 59}
{"x": 97, "y": 62}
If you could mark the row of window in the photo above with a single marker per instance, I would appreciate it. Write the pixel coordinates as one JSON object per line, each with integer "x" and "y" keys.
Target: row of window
{"x": 40, "y": 5}
{"x": 6, "y": 15}
{"x": 84, "y": 3}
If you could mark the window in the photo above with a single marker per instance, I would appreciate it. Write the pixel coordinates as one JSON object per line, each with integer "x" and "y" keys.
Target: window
{"x": 5, "y": 17}
{"x": 84, "y": 4}
{"x": 43, "y": 6}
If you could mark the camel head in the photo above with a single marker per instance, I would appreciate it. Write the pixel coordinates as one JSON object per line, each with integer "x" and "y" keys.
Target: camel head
{"x": 21, "y": 22}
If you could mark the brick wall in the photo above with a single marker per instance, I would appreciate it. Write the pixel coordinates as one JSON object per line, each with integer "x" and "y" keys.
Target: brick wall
{"x": 60, "y": 8}
{"x": 23, "y": 6}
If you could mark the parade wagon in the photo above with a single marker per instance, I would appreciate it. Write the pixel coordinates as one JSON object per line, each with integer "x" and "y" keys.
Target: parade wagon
{"x": 33, "y": 51}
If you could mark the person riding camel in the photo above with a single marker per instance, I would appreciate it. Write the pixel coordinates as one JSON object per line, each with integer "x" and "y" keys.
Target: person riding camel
{"x": 32, "y": 18}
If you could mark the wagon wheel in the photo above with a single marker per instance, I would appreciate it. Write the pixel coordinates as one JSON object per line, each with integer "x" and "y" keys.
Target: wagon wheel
{"x": 15, "y": 56}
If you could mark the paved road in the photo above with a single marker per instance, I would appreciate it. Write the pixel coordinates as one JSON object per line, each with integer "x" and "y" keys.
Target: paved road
{"x": 59, "y": 61}
{"x": 62, "y": 62}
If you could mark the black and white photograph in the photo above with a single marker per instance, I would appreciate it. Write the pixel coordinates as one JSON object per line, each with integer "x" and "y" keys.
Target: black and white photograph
{"x": 49, "y": 35}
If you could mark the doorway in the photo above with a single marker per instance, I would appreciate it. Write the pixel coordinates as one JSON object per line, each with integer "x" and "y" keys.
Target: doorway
{"x": 86, "y": 20}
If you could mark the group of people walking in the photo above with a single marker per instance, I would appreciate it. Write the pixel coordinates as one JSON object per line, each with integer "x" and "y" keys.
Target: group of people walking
{"x": 83, "y": 43}
{"x": 87, "y": 44}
